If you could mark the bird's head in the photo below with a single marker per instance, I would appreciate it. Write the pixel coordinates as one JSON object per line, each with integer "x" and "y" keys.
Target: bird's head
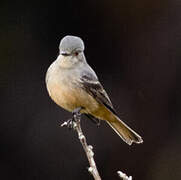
{"x": 71, "y": 51}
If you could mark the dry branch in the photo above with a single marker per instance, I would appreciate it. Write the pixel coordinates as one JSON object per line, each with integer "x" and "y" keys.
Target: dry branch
{"x": 87, "y": 148}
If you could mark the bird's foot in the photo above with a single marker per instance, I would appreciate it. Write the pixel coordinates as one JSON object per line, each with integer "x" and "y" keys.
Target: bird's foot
{"x": 76, "y": 114}
{"x": 68, "y": 123}
{"x": 76, "y": 117}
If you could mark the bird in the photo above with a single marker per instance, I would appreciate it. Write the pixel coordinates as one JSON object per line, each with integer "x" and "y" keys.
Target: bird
{"x": 73, "y": 85}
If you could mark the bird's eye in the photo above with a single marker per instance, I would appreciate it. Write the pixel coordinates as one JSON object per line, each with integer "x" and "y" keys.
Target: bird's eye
{"x": 76, "y": 53}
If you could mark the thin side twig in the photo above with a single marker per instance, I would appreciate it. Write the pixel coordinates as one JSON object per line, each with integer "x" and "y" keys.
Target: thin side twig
{"x": 123, "y": 176}
{"x": 87, "y": 148}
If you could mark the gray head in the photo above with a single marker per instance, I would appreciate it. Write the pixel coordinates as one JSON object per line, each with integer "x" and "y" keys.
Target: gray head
{"x": 70, "y": 45}
{"x": 71, "y": 52}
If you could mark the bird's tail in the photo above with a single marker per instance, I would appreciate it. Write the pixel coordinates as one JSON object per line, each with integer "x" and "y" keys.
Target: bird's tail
{"x": 125, "y": 132}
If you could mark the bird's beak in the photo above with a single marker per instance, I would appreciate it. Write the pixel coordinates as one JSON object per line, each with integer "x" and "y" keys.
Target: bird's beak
{"x": 64, "y": 53}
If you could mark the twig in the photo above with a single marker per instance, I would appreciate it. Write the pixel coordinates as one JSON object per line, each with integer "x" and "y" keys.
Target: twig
{"x": 123, "y": 176}
{"x": 87, "y": 148}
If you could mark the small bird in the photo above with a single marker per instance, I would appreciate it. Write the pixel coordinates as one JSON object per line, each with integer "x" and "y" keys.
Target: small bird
{"x": 72, "y": 84}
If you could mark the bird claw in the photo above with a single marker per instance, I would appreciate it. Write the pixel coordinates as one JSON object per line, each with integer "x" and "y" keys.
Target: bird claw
{"x": 68, "y": 123}
{"x": 76, "y": 117}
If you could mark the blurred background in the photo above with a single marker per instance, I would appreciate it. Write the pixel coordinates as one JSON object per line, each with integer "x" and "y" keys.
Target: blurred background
{"x": 134, "y": 47}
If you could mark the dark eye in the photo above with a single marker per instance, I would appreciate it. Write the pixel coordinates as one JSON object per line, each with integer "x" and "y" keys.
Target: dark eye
{"x": 76, "y": 53}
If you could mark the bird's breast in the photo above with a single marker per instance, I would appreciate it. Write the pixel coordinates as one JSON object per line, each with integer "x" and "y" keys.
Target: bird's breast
{"x": 66, "y": 92}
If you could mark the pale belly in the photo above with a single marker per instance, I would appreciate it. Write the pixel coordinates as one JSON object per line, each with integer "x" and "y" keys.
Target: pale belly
{"x": 71, "y": 97}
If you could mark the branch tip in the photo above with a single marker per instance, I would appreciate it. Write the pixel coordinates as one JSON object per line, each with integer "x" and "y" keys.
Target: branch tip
{"x": 64, "y": 124}
{"x": 123, "y": 176}
{"x": 90, "y": 169}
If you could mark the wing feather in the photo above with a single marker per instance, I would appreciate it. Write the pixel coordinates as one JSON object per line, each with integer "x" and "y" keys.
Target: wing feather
{"x": 93, "y": 87}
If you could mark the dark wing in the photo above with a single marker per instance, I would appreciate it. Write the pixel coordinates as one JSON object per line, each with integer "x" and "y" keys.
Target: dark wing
{"x": 93, "y": 87}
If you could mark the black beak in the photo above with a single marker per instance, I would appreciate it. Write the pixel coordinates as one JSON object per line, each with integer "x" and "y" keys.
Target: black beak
{"x": 63, "y": 53}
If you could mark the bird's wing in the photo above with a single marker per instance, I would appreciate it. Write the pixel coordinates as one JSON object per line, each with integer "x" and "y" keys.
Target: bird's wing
{"x": 93, "y": 87}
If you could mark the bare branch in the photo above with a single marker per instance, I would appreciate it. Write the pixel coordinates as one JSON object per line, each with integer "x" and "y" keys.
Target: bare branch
{"x": 87, "y": 148}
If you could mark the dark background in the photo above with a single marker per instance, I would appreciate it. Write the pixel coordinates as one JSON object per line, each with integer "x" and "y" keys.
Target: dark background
{"x": 134, "y": 47}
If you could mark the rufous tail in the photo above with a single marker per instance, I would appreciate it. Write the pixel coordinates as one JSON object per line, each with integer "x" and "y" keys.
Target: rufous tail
{"x": 125, "y": 132}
